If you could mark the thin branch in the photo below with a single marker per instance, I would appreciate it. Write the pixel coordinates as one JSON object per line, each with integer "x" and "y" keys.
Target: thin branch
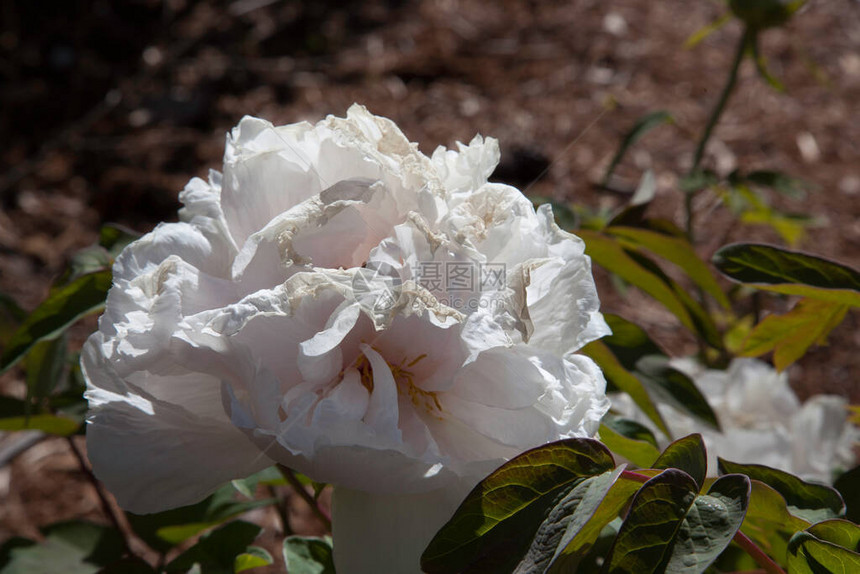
{"x": 290, "y": 476}
{"x": 107, "y": 509}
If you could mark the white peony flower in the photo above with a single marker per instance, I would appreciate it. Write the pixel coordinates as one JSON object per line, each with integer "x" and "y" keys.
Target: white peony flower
{"x": 338, "y": 302}
{"x": 763, "y": 422}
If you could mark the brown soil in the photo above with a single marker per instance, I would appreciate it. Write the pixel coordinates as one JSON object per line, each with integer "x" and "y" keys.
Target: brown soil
{"x": 110, "y": 107}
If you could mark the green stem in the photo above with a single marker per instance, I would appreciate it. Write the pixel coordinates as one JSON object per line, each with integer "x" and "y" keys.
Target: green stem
{"x": 290, "y": 477}
{"x": 741, "y": 539}
{"x": 743, "y": 45}
{"x": 747, "y": 38}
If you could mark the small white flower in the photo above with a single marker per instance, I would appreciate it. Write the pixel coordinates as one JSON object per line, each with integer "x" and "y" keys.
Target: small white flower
{"x": 763, "y": 422}
{"x": 326, "y": 303}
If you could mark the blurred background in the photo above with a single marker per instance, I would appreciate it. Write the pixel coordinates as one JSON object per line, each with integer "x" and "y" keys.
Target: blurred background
{"x": 108, "y": 108}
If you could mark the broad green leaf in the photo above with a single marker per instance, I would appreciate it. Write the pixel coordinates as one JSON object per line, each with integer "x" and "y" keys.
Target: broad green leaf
{"x": 789, "y": 272}
{"x": 308, "y": 555}
{"x": 60, "y": 310}
{"x": 565, "y": 521}
{"x": 45, "y": 364}
{"x": 253, "y": 557}
{"x": 710, "y": 524}
{"x": 624, "y": 380}
{"x": 792, "y": 187}
{"x": 68, "y": 548}
{"x": 769, "y": 510}
{"x": 163, "y": 530}
{"x": 640, "y": 452}
{"x": 687, "y": 454}
{"x": 51, "y": 424}
{"x": 216, "y": 552}
{"x": 675, "y": 388}
{"x": 644, "y": 543}
{"x": 790, "y": 335}
{"x": 630, "y": 429}
{"x": 841, "y": 532}
{"x": 812, "y": 502}
{"x": 676, "y": 250}
{"x": 609, "y": 254}
{"x": 500, "y": 515}
{"x": 11, "y": 315}
{"x": 637, "y": 353}
{"x": 642, "y": 126}
{"x": 848, "y": 485}
{"x": 807, "y": 554}
{"x": 589, "y": 535}
{"x": 702, "y": 323}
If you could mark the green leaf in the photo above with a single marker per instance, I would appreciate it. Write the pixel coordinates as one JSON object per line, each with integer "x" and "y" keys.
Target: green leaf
{"x": 642, "y": 453}
{"x": 710, "y": 524}
{"x": 676, "y": 250}
{"x": 163, "y": 530}
{"x": 591, "y": 535}
{"x": 687, "y": 454}
{"x": 609, "y": 254}
{"x": 642, "y": 126}
{"x": 497, "y": 520}
{"x": 789, "y": 272}
{"x": 308, "y": 555}
{"x": 786, "y": 185}
{"x": 565, "y": 521}
{"x": 637, "y": 353}
{"x": 269, "y": 476}
{"x": 51, "y": 424}
{"x": 707, "y": 30}
{"x": 790, "y": 335}
{"x": 848, "y": 485}
{"x": 644, "y": 542}
{"x": 253, "y": 557}
{"x": 216, "y": 552}
{"x": 70, "y": 548}
{"x": 841, "y": 532}
{"x": 702, "y": 324}
{"x": 60, "y": 310}
{"x": 675, "y": 388}
{"x": 45, "y": 366}
{"x": 624, "y": 380}
{"x": 807, "y": 554}
{"x": 11, "y": 315}
{"x": 810, "y": 501}
{"x": 769, "y": 510}
{"x": 115, "y": 237}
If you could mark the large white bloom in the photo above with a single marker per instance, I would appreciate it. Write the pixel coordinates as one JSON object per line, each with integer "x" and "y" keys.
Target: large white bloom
{"x": 340, "y": 303}
{"x": 763, "y": 422}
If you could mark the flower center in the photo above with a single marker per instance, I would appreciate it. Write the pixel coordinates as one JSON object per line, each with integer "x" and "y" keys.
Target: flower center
{"x": 405, "y": 380}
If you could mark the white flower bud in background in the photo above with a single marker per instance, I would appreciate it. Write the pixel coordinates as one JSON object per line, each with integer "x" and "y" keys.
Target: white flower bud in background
{"x": 762, "y": 421}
